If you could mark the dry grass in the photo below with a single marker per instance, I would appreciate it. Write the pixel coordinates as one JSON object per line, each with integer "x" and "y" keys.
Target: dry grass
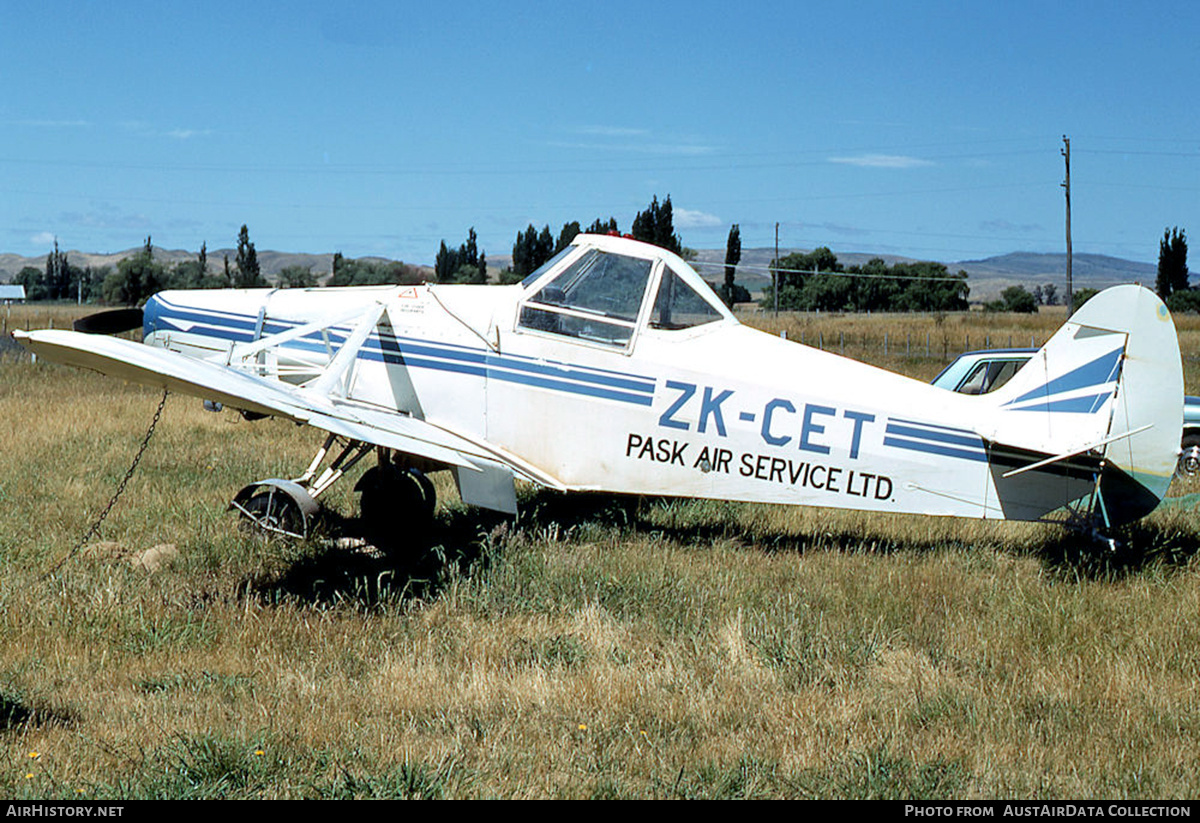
{"x": 596, "y": 647}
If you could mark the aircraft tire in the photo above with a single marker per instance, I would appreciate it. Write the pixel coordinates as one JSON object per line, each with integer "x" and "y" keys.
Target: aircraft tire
{"x": 392, "y": 496}
{"x": 1189, "y": 460}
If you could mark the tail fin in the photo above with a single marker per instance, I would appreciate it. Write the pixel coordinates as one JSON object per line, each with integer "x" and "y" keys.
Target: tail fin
{"x": 1107, "y": 387}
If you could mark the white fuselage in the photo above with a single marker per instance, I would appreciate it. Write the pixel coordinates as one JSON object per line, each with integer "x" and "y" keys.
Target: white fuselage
{"x": 714, "y": 411}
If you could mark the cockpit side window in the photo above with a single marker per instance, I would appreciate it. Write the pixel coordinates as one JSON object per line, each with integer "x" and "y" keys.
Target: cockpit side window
{"x": 596, "y": 298}
{"x": 678, "y": 306}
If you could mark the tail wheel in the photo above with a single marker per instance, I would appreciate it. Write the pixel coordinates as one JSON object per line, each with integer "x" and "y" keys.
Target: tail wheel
{"x": 1189, "y": 460}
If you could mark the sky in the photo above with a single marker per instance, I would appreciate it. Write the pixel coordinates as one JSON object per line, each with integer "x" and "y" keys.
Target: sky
{"x": 931, "y": 130}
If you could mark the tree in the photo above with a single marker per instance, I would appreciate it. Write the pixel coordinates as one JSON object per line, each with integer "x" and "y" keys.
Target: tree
{"x": 1187, "y": 300}
{"x": 1015, "y": 299}
{"x": 297, "y": 277}
{"x": 922, "y": 286}
{"x": 248, "y": 274}
{"x": 530, "y": 250}
{"x": 136, "y": 279}
{"x": 816, "y": 280}
{"x": 733, "y": 256}
{"x": 466, "y": 264}
{"x": 599, "y": 226}
{"x": 656, "y": 225}
{"x": 443, "y": 265}
{"x": 545, "y": 246}
{"x": 61, "y": 280}
{"x": 188, "y": 275}
{"x": 193, "y": 274}
{"x": 568, "y": 233}
{"x": 1172, "y": 263}
{"x": 358, "y": 273}
{"x": 791, "y": 271}
{"x": 34, "y": 282}
{"x": 58, "y": 275}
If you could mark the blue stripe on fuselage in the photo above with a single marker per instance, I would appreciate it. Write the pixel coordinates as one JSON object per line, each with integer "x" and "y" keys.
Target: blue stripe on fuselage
{"x": 603, "y": 383}
{"x": 931, "y": 438}
{"x": 934, "y": 448}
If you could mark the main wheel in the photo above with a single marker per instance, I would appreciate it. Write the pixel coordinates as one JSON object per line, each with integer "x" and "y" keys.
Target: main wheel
{"x": 1189, "y": 460}
{"x": 394, "y": 498}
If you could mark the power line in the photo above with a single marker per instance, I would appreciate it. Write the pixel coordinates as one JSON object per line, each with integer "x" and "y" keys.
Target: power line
{"x": 949, "y": 277}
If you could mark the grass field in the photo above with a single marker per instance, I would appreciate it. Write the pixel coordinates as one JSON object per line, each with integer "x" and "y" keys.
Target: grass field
{"x": 595, "y": 647}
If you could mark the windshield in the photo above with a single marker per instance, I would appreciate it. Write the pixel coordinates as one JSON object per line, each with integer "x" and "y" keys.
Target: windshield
{"x": 545, "y": 267}
{"x": 596, "y": 298}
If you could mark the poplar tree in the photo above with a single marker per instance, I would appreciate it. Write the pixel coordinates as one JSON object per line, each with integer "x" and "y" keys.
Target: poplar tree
{"x": 656, "y": 225}
{"x": 1172, "y": 263}
{"x": 248, "y": 274}
{"x": 733, "y": 256}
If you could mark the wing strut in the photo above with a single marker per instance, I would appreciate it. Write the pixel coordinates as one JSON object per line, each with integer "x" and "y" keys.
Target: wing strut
{"x": 339, "y": 366}
{"x": 243, "y": 351}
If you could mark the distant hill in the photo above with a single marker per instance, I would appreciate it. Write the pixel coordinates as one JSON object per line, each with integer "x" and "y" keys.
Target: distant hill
{"x": 270, "y": 262}
{"x": 987, "y": 277}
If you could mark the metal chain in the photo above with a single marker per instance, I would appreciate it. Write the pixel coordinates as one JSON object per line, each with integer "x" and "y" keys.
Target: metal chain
{"x": 95, "y": 528}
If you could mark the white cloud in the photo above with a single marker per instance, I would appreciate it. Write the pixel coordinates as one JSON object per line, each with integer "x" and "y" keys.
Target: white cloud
{"x": 838, "y": 228}
{"x": 55, "y": 124}
{"x": 42, "y": 238}
{"x": 144, "y": 128}
{"x": 610, "y": 131}
{"x": 1001, "y": 225}
{"x": 184, "y": 134}
{"x": 685, "y": 149}
{"x": 689, "y": 219}
{"x": 882, "y": 161}
{"x": 631, "y": 140}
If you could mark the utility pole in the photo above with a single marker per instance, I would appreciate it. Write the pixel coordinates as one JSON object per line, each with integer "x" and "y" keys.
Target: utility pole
{"x": 1066, "y": 153}
{"x": 775, "y": 274}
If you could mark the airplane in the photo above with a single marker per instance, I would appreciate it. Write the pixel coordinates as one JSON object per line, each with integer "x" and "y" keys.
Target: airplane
{"x": 616, "y": 368}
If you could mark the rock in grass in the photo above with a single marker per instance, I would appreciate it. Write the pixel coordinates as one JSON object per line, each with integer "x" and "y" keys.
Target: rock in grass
{"x": 157, "y": 558}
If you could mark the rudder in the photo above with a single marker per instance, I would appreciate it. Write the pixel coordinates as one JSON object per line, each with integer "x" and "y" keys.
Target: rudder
{"x": 1108, "y": 387}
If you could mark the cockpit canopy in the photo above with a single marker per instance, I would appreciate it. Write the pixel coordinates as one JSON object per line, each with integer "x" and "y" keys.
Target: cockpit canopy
{"x": 599, "y": 290}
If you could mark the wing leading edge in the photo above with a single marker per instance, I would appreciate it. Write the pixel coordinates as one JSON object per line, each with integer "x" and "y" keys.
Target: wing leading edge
{"x": 175, "y": 372}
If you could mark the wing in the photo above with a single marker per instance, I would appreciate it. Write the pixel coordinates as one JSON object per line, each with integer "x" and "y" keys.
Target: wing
{"x": 315, "y": 406}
